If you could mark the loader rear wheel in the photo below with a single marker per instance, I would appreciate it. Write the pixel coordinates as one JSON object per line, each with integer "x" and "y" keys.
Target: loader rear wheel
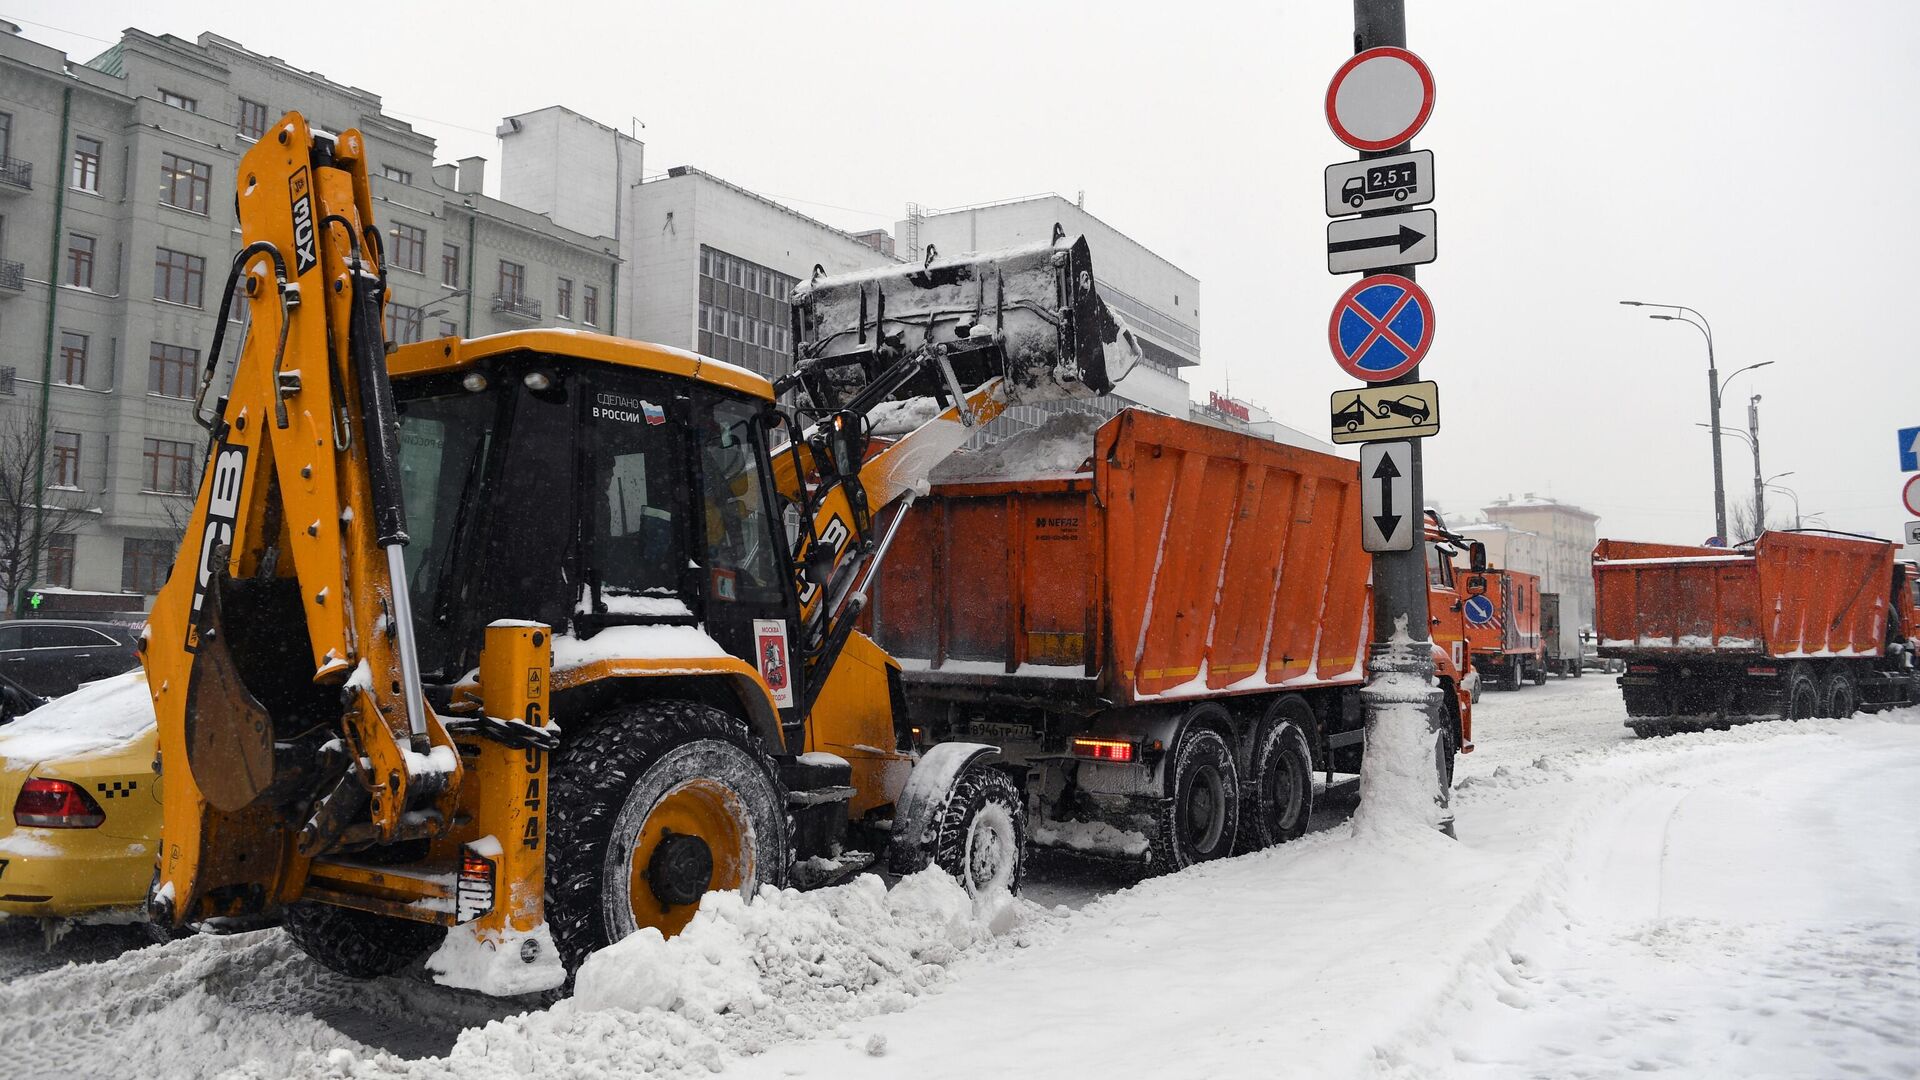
{"x": 359, "y": 944}
{"x": 981, "y": 834}
{"x": 651, "y": 808}
{"x": 1839, "y": 694}
{"x": 1278, "y": 799}
{"x": 1201, "y": 813}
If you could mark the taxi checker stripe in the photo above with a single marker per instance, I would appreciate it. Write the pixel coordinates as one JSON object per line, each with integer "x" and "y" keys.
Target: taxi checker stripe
{"x": 1379, "y": 325}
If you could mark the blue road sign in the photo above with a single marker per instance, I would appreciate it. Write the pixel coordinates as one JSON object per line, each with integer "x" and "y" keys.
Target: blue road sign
{"x": 1381, "y": 327}
{"x": 1479, "y": 610}
{"x": 1910, "y": 449}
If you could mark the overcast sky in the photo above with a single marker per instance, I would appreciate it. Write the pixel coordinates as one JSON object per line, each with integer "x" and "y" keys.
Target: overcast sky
{"x": 1747, "y": 159}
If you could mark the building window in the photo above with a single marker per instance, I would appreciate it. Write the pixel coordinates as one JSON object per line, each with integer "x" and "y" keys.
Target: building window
{"x": 179, "y": 101}
{"x": 590, "y": 305}
{"x": 73, "y": 359}
{"x": 410, "y": 248}
{"x": 563, "y": 299}
{"x": 80, "y": 260}
{"x": 170, "y": 370}
{"x": 178, "y": 277}
{"x": 403, "y": 323}
{"x": 6, "y": 135}
{"x": 513, "y": 280}
{"x": 398, "y": 176}
{"x": 144, "y": 565}
{"x": 448, "y": 329}
{"x": 86, "y": 164}
{"x": 183, "y": 183}
{"x": 253, "y": 119}
{"x": 745, "y": 311}
{"x": 65, "y": 459}
{"x": 60, "y": 560}
{"x": 169, "y": 466}
{"x": 450, "y": 265}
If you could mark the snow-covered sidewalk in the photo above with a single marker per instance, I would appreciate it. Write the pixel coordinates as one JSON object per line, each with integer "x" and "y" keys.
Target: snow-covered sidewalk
{"x": 1741, "y": 903}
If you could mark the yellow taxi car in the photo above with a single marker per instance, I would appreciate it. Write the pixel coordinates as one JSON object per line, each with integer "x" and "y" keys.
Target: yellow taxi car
{"x": 81, "y": 805}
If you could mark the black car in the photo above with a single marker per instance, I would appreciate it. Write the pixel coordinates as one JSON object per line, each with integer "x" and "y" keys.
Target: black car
{"x": 50, "y": 657}
{"x": 16, "y": 701}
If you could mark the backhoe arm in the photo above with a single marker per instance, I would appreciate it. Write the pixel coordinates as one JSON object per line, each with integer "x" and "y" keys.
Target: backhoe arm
{"x": 280, "y": 650}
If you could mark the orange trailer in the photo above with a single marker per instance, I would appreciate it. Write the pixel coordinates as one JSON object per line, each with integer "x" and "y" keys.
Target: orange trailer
{"x": 1794, "y": 625}
{"x": 1502, "y": 609}
{"x": 1169, "y": 639}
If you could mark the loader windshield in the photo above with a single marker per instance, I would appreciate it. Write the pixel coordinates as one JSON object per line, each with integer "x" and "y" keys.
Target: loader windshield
{"x": 443, "y": 450}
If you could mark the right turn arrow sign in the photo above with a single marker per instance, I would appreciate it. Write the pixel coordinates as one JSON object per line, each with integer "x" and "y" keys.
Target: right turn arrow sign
{"x": 1386, "y": 496}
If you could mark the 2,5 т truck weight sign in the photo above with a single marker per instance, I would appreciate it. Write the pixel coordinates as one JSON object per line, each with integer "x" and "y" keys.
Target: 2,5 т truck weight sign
{"x": 1403, "y": 180}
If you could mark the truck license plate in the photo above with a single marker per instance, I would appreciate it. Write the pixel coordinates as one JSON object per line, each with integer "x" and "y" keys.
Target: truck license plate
{"x": 988, "y": 729}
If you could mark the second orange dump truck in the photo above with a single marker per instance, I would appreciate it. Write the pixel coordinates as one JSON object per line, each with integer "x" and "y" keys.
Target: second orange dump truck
{"x": 1794, "y": 625}
{"x": 1502, "y": 614}
{"x": 1163, "y": 628}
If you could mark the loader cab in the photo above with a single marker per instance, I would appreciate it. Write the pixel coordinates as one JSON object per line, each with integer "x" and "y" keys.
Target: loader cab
{"x": 587, "y": 493}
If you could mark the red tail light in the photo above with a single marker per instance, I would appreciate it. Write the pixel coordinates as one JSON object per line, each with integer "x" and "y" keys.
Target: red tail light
{"x": 1763, "y": 671}
{"x": 56, "y": 804}
{"x": 1113, "y": 750}
{"x": 1643, "y": 669}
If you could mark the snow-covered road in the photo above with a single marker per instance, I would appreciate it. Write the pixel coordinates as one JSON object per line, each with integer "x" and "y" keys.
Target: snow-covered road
{"x": 1741, "y": 903}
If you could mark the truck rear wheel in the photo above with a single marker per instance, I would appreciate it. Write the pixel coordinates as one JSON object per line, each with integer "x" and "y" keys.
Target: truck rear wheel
{"x": 982, "y": 832}
{"x": 1803, "y": 693}
{"x": 1201, "y": 813}
{"x": 1278, "y": 798}
{"x": 1510, "y": 675}
{"x": 1839, "y": 693}
{"x": 359, "y": 944}
{"x": 650, "y": 809}
{"x": 1540, "y": 671}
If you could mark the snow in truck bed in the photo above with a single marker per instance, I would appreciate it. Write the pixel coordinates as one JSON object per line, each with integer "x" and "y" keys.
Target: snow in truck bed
{"x": 1058, "y": 448}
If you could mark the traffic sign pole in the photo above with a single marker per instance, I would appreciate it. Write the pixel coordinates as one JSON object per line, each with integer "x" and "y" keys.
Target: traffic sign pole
{"x": 1400, "y": 577}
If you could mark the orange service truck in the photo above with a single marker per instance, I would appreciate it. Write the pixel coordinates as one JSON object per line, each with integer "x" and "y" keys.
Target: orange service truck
{"x": 1793, "y": 625}
{"x": 1163, "y": 633}
{"x": 1502, "y": 613}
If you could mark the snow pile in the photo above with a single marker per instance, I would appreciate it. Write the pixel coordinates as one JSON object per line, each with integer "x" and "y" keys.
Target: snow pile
{"x": 469, "y": 960}
{"x": 634, "y": 643}
{"x": 1060, "y": 447}
{"x": 98, "y": 716}
{"x": 895, "y": 418}
{"x": 740, "y": 979}
{"x": 631, "y": 604}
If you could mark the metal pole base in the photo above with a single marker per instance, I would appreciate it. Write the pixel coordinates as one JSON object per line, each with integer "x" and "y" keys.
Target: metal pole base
{"x": 1400, "y": 673}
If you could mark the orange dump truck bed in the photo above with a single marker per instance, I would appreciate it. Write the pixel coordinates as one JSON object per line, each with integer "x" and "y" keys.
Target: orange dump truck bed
{"x": 1189, "y": 562}
{"x": 1792, "y": 595}
{"x": 1797, "y": 625}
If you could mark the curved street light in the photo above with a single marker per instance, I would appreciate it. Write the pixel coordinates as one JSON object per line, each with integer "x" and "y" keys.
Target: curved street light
{"x": 1713, "y": 402}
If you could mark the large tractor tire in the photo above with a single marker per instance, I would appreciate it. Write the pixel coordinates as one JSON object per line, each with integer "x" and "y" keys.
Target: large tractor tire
{"x": 1200, "y": 814}
{"x": 359, "y": 944}
{"x": 650, "y": 808}
{"x": 1278, "y": 798}
{"x": 1803, "y": 693}
{"x": 1839, "y": 693}
{"x": 980, "y": 835}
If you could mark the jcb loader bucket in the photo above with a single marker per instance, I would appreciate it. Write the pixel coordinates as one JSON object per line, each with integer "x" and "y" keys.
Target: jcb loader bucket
{"x": 1029, "y": 314}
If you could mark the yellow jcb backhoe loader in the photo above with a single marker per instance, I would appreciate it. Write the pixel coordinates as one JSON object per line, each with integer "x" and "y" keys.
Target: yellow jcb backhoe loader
{"x": 515, "y": 645}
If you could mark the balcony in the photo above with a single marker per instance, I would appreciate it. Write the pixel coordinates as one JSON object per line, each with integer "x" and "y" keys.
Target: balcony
{"x": 15, "y": 175}
{"x": 13, "y": 277}
{"x": 517, "y": 307}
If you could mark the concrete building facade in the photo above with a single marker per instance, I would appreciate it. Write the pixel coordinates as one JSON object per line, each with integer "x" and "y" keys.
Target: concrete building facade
{"x": 116, "y": 237}
{"x": 1549, "y": 538}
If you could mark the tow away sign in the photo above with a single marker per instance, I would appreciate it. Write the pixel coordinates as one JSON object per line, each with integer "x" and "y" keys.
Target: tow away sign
{"x": 1387, "y": 518}
{"x": 1913, "y": 533}
{"x": 1357, "y": 245}
{"x": 1397, "y": 411}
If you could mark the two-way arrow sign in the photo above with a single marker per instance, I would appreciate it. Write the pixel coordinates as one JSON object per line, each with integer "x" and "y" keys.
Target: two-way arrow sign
{"x": 1356, "y": 245}
{"x": 1387, "y": 514}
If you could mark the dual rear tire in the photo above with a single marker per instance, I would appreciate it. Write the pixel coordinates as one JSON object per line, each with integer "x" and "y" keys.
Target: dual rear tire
{"x": 1211, "y": 810}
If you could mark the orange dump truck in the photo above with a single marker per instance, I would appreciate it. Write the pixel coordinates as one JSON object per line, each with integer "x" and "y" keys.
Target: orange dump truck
{"x": 1794, "y": 625}
{"x": 1162, "y": 627}
{"x": 1502, "y": 611}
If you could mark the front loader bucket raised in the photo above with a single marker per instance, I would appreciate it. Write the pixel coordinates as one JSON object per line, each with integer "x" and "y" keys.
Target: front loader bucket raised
{"x": 1029, "y": 314}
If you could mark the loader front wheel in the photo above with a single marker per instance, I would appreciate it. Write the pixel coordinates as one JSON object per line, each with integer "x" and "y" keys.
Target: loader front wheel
{"x": 359, "y": 944}
{"x": 651, "y": 808}
{"x": 981, "y": 835}
{"x": 1201, "y": 813}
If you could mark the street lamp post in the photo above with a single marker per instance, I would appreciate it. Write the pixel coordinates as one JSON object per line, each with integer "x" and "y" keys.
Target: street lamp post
{"x": 1714, "y": 387}
{"x": 1791, "y": 494}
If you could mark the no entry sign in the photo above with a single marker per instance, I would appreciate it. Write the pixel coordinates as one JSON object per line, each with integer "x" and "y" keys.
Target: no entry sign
{"x": 1381, "y": 327}
{"x": 1380, "y": 98}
